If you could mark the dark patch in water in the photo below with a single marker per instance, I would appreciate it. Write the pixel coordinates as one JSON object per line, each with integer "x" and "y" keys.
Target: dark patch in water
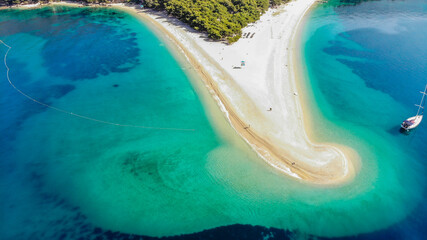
{"x": 82, "y": 43}
{"x": 116, "y": 85}
{"x": 90, "y": 50}
{"x": 337, "y": 49}
{"x": 389, "y": 54}
{"x": 141, "y": 164}
{"x": 58, "y": 91}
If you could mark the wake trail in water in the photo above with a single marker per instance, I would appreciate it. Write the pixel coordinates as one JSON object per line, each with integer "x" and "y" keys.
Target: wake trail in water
{"x": 76, "y": 114}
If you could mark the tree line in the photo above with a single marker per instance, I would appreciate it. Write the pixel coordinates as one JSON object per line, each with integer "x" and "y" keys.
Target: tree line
{"x": 221, "y": 19}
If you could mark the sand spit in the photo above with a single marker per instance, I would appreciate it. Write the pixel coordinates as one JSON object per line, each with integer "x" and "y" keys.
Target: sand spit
{"x": 268, "y": 80}
{"x": 259, "y": 96}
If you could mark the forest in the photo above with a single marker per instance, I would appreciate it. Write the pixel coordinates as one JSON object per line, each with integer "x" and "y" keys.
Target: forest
{"x": 220, "y": 19}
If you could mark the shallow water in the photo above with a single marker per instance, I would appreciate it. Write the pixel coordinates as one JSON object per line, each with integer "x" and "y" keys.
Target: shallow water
{"x": 68, "y": 177}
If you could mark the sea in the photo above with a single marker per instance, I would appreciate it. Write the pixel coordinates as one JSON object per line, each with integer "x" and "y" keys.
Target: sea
{"x": 107, "y": 132}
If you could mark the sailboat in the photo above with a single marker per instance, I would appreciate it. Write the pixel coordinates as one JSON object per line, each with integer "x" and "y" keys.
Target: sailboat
{"x": 414, "y": 121}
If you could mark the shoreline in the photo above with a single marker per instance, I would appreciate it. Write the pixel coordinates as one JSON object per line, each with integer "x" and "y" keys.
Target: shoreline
{"x": 242, "y": 93}
{"x": 298, "y": 72}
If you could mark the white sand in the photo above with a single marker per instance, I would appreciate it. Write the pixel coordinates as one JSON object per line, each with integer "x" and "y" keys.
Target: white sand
{"x": 267, "y": 81}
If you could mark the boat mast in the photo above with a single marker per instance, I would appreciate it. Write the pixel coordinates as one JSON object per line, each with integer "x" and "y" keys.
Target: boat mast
{"x": 421, "y": 103}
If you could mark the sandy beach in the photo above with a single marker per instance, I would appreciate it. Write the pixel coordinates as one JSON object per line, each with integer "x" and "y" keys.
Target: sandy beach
{"x": 255, "y": 82}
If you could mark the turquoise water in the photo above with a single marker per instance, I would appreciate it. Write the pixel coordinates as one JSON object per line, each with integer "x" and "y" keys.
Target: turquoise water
{"x": 64, "y": 177}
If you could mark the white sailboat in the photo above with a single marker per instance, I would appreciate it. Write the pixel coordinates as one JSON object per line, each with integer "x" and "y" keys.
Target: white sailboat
{"x": 414, "y": 121}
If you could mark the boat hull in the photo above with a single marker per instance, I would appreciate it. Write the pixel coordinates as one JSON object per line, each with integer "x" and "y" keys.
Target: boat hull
{"x": 414, "y": 122}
